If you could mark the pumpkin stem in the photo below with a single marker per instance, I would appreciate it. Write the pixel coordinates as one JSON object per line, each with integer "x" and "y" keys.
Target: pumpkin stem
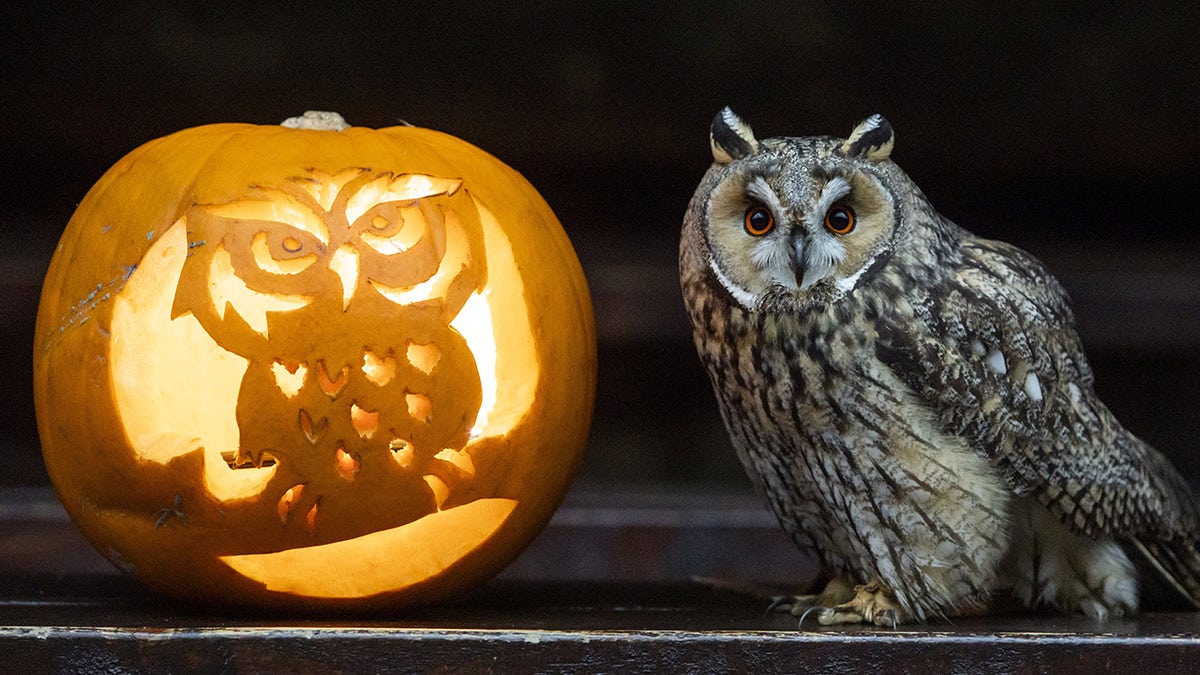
{"x": 317, "y": 119}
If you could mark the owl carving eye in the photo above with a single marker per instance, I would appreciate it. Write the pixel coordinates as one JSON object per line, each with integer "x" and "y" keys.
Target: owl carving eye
{"x": 284, "y": 253}
{"x": 759, "y": 221}
{"x": 840, "y": 219}
{"x": 392, "y": 228}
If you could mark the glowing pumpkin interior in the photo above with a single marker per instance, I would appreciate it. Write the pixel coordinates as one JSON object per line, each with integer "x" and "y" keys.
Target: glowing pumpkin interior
{"x": 343, "y": 350}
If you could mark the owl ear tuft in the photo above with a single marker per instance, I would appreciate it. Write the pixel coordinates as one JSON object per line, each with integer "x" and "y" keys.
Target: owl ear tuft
{"x": 730, "y": 137}
{"x": 872, "y": 140}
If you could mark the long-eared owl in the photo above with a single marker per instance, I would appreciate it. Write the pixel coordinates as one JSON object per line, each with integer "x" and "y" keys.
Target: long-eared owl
{"x": 913, "y": 400}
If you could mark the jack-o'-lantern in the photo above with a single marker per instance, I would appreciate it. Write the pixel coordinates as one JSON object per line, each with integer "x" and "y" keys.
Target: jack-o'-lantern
{"x": 313, "y": 364}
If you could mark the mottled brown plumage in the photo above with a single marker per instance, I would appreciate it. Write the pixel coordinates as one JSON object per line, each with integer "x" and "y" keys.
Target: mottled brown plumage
{"x": 913, "y": 400}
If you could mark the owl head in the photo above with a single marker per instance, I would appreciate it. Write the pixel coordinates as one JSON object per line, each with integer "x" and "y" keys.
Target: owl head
{"x": 801, "y": 218}
{"x": 327, "y": 250}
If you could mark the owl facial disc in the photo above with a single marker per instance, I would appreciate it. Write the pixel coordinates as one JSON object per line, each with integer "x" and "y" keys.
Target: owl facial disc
{"x": 793, "y": 219}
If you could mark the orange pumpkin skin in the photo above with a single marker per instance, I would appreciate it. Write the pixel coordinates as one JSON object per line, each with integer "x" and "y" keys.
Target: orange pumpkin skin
{"x": 349, "y": 447}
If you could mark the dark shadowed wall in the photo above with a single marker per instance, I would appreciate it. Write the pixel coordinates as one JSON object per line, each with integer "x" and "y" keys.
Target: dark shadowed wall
{"x": 1072, "y": 133}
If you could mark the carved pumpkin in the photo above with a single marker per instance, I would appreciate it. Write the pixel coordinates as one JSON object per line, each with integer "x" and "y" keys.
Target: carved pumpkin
{"x": 322, "y": 366}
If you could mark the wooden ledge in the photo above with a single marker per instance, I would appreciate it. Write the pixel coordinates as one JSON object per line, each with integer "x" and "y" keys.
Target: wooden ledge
{"x": 62, "y": 609}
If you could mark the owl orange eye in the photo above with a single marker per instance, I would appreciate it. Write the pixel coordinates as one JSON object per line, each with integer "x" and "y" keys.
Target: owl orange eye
{"x": 759, "y": 221}
{"x": 840, "y": 219}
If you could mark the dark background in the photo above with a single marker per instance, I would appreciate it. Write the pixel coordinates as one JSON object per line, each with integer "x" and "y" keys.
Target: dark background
{"x": 1072, "y": 133}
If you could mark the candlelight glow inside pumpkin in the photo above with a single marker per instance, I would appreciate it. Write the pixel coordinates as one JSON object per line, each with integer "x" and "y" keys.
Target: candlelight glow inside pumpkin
{"x": 338, "y": 372}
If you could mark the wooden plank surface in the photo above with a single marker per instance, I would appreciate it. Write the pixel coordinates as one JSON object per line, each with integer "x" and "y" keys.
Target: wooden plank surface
{"x": 62, "y": 609}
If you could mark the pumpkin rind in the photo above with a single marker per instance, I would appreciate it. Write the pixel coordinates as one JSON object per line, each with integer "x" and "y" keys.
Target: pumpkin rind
{"x": 154, "y": 516}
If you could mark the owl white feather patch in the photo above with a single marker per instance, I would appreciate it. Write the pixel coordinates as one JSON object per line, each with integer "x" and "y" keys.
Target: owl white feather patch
{"x": 848, "y": 283}
{"x": 1033, "y": 386}
{"x": 996, "y": 361}
{"x": 822, "y": 255}
{"x": 743, "y": 297}
{"x": 759, "y": 189}
{"x": 771, "y": 254}
{"x": 836, "y": 189}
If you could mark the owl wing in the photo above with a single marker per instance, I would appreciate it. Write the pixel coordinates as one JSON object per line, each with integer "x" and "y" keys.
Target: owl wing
{"x": 996, "y": 356}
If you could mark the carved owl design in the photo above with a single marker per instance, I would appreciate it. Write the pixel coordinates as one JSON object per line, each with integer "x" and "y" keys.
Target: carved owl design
{"x": 339, "y": 291}
{"x": 913, "y": 400}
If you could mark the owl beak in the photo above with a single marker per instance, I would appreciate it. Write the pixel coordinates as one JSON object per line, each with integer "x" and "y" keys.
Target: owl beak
{"x": 345, "y": 264}
{"x": 798, "y": 262}
{"x": 813, "y": 260}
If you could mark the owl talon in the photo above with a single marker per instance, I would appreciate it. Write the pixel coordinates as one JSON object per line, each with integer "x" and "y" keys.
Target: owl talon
{"x": 872, "y": 603}
{"x": 886, "y": 617}
{"x": 810, "y": 610}
{"x": 779, "y": 603}
{"x": 792, "y": 604}
{"x": 833, "y": 616}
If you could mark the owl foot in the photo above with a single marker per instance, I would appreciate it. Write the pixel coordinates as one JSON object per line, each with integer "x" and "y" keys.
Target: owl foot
{"x": 837, "y": 591}
{"x": 1048, "y": 564}
{"x": 872, "y": 603}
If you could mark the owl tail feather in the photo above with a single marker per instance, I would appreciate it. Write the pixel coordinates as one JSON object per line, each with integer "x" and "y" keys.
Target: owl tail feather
{"x": 1177, "y": 562}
